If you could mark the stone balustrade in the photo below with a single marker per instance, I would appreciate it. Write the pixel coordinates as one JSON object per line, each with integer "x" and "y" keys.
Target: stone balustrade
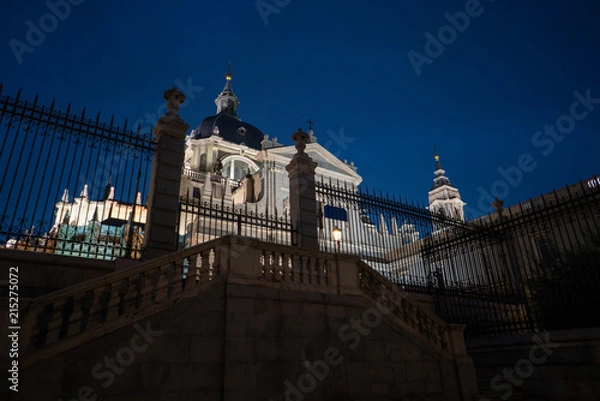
{"x": 56, "y": 321}
{"x": 63, "y": 319}
{"x": 407, "y": 311}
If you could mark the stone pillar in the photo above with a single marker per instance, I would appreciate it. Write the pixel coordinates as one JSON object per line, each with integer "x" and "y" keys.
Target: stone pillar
{"x": 303, "y": 201}
{"x": 161, "y": 234}
{"x": 467, "y": 377}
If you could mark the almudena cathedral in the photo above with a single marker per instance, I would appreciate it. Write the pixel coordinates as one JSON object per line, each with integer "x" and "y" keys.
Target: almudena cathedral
{"x": 218, "y": 263}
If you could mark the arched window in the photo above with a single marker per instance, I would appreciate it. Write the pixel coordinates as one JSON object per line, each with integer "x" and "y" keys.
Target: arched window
{"x": 236, "y": 167}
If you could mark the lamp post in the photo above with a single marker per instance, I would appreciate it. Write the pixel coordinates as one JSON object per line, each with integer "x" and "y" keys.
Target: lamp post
{"x": 336, "y": 233}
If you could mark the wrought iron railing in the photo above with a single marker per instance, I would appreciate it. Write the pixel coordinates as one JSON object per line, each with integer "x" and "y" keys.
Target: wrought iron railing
{"x": 203, "y": 221}
{"x": 497, "y": 274}
{"x": 71, "y": 184}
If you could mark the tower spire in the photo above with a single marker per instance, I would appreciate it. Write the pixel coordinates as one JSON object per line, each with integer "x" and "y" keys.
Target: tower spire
{"x": 444, "y": 197}
{"x": 440, "y": 174}
{"x": 228, "y": 77}
{"x": 227, "y": 101}
{"x": 436, "y": 156}
{"x": 107, "y": 189}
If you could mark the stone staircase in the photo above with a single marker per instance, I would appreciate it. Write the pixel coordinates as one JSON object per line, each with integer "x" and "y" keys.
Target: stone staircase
{"x": 486, "y": 393}
{"x": 66, "y": 318}
{"x": 71, "y": 327}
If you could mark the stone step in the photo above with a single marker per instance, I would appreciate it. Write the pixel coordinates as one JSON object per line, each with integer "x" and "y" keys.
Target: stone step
{"x": 486, "y": 393}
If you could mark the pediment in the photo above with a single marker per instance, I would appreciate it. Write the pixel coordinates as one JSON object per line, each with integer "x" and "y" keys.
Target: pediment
{"x": 328, "y": 165}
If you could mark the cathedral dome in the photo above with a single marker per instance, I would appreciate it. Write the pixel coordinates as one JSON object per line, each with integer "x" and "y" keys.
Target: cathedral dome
{"x": 230, "y": 128}
{"x": 226, "y": 123}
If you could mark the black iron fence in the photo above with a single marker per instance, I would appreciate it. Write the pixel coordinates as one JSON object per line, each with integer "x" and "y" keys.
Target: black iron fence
{"x": 77, "y": 186}
{"x": 529, "y": 267}
{"x": 534, "y": 266}
{"x": 203, "y": 221}
{"x": 71, "y": 185}
{"x": 384, "y": 231}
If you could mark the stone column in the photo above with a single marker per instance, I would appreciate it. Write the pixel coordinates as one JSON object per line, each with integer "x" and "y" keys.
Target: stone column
{"x": 161, "y": 234}
{"x": 303, "y": 201}
{"x": 465, "y": 369}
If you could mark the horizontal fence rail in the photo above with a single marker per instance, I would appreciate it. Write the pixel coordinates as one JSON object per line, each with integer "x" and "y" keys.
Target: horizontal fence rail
{"x": 203, "y": 221}
{"x": 72, "y": 185}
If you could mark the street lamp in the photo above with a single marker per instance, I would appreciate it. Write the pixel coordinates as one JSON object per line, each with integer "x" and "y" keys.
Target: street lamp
{"x": 336, "y": 233}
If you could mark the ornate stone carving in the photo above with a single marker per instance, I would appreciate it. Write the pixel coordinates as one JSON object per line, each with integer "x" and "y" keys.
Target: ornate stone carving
{"x": 174, "y": 99}
{"x": 301, "y": 138}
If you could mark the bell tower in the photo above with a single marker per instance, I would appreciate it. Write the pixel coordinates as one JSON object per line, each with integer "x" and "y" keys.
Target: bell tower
{"x": 444, "y": 197}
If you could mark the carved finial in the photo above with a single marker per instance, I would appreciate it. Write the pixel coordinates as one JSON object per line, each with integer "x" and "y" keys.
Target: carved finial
{"x": 497, "y": 205}
{"x": 84, "y": 191}
{"x": 65, "y": 197}
{"x": 174, "y": 99}
{"x": 301, "y": 139}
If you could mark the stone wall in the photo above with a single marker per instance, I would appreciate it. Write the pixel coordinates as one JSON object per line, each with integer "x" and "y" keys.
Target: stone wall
{"x": 41, "y": 273}
{"x": 555, "y": 366}
{"x": 251, "y": 344}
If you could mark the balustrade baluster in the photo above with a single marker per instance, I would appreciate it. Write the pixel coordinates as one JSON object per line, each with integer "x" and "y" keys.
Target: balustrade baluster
{"x": 212, "y": 265}
{"x": 316, "y": 270}
{"x": 278, "y": 266}
{"x": 123, "y": 290}
{"x": 86, "y": 305}
{"x": 296, "y": 269}
{"x": 131, "y": 295}
{"x": 305, "y": 262}
{"x": 146, "y": 290}
{"x": 65, "y": 315}
{"x": 101, "y": 308}
{"x": 194, "y": 269}
{"x": 161, "y": 290}
{"x": 42, "y": 328}
{"x": 270, "y": 265}
{"x": 288, "y": 268}
{"x": 72, "y": 319}
{"x": 179, "y": 278}
{"x": 54, "y": 324}
{"x": 170, "y": 273}
{"x": 114, "y": 300}
{"x": 262, "y": 264}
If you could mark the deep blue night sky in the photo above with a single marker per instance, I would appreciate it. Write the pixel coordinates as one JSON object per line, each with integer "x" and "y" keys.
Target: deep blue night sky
{"x": 344, "y": 65}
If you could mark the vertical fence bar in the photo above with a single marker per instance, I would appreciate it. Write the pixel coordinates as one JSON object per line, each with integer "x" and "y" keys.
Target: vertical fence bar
{"x": 64, "y": 152}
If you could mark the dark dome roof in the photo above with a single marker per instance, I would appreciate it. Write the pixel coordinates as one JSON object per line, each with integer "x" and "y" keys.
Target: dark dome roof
{"x": 231, "y": 129}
